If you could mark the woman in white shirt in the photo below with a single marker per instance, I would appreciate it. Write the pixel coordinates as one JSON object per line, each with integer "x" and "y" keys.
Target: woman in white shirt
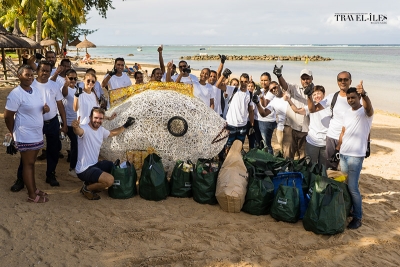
{"x": 85, "y": 99}
{"x": 23, "y": 116}
{"x": 71, "y": 80}
{"x": 319, "y": 123}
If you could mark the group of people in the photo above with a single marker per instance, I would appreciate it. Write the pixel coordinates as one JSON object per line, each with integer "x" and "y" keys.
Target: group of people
{"x": 53, "y": 103}
{"x": 329, "y": 129}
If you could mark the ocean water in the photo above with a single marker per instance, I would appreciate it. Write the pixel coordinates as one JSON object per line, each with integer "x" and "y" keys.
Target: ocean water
{"x": 377, "y": 65}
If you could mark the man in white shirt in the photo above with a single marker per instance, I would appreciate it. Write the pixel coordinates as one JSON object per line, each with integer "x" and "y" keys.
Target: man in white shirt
{"x": 219, "y": 100}
{"x": 240, "y": 108}
{"x": 50, "y": 56}
{"x": 95, "y": 174}
{"x": 117, "y": 78}
{"x": 353, "y": 139}
{"x": 202, "y": 89}
{"x": 336, "y": 123}
{"x": 184, "y": 74}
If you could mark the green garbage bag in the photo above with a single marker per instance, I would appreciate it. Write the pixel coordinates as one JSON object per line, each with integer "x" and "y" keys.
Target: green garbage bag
{"x": 205, "y": 181}
{"x": 260, "y": 193}
{"x": 181, "y": 179}
{"x": 286, "y": 204}
{"x": 326, "y": 212}
{"x": 153, "y": 183}
{"x": 264, "y": 161}
{"x": 124, "y": 185}
{"x": 324, "y": 181}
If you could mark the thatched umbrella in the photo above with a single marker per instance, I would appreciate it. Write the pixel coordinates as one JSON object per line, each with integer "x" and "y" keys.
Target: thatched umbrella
{"x": 74, "y": 43}
{"x": 85, "y": 44}
{"x": 48, "y": 42}
{"x": 8, "y": 40}
{"x": 17, "y": 32}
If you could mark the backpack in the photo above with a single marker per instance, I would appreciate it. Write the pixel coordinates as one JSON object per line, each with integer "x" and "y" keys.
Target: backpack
{"x": 334, "y": 99}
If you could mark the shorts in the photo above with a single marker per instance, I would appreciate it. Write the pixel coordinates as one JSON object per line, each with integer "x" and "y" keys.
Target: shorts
{"x": 22, "y": 147}
{"x": 92, "y": 174}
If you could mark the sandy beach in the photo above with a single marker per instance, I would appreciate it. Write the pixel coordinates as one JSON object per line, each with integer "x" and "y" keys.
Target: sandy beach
{"x": 73, "y": 231}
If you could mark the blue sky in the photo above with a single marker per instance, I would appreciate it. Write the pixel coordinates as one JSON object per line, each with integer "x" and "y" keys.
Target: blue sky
{"x": 140, "y": 22}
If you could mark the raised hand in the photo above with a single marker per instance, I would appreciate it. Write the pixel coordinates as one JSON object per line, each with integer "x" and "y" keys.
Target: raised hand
{"x": 223, "y": 58}
{"x": 129, "y": 122}
{"x": 309, "y": 90}
{"x": 286, "y": 96}
{"x": 255, "y": 99}
{"x": 226, "y": 73}
{"x": 278, "y": 71}
{"x": 60, "y": 69}
{"x": 112, "y": 72}
{"x": 360, "y": 88}
{"x": 76, "y": 123}
{"x": 160, "y": 49}
{"x": 78, "y": 91}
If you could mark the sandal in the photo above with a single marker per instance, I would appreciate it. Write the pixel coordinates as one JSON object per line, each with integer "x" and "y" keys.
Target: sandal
{"x": 38, "y": 199}
{"x": 40, "y": 193}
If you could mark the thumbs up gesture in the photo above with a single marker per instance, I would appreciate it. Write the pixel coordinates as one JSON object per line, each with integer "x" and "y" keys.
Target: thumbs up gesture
{"x": 360, "y": 88}
{"x": 76, "y": 123}
{"x": 46, "y": 108}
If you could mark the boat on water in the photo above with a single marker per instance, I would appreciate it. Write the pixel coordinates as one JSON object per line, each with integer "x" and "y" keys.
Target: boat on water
{"x": 202, "y": 48}
{"x": 139, "y": 48}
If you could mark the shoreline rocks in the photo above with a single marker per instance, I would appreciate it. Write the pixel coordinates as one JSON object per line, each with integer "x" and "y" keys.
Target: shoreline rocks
{"x": 263, "y": 57}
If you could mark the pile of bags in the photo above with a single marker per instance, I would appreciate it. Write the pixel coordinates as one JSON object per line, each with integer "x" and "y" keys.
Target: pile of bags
{"x": 257, "y": 183}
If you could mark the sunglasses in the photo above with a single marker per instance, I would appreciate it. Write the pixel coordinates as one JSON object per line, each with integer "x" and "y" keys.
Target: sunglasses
{"x": 343, "y": 80}
{"x": 273, "y": 88}
{"x": 91, "y": 81}
{"x": 305, "y": 78}
{"x": 73, "y": 78}
{"x": 182, "y": 67}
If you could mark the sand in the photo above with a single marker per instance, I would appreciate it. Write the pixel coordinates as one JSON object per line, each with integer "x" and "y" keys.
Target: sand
{"x": 73, "y": 231}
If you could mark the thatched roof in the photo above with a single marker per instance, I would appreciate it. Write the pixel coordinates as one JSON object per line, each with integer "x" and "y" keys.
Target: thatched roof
{"x": 75, "y": 42}
{"x": 48, "y": 42}
{"x": 85, "y": 44}
{"x": 8, "y": 40}
{"x": 17, "y": 32}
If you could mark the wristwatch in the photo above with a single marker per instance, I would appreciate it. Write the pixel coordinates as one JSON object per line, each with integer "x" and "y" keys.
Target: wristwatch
{"x": 365, "y": 94}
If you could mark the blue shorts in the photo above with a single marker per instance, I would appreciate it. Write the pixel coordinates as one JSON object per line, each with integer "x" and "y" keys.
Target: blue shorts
{"x": 92, "y": 174}
{"x": 236, "y": 133}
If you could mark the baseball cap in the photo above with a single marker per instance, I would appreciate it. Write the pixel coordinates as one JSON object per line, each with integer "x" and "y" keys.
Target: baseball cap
{"x": 305, "y": 71}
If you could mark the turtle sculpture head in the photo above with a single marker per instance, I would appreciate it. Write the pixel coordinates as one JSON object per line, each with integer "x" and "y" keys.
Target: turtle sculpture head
{"x": 175, "y": 125}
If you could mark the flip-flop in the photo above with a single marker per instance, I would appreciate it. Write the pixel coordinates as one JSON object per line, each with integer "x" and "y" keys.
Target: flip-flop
{"x": 40, "y": 193}
{"x": 37, "y": 199}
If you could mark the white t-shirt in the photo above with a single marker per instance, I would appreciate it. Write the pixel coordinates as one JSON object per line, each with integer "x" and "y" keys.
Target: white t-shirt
{"x": 60, "y": 81}
{"x": 89, "y": 144}
{"x": 239, "y": 107}
{"x": 217, "y": 100}
{"x": 203, "y": 92}
{"x": 357, "y": 127}
{"x": 52, "y": 94}
{"x": 116, "y": 82}
{"x": 85, "y": 104}
{"x": 28, "y": 124}
{"x": 97, "y": 88}
{"x": 187, "y": 80}
{"x": 279, "y": 106}
{"x": 68, "y": 102}
{"x": 335, "y": 126}
{"x": 319, "y": 123}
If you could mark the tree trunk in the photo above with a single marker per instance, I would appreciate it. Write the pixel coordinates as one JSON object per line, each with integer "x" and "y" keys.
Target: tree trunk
{"x": 39, "y": 24}
{"x": 65, "y": 39}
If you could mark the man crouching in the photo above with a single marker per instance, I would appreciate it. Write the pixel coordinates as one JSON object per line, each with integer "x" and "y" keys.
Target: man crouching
{"x": 95, "y": 174}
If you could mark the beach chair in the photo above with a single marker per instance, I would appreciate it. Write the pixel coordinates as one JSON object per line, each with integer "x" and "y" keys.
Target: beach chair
{"x": 11, "y": 67}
